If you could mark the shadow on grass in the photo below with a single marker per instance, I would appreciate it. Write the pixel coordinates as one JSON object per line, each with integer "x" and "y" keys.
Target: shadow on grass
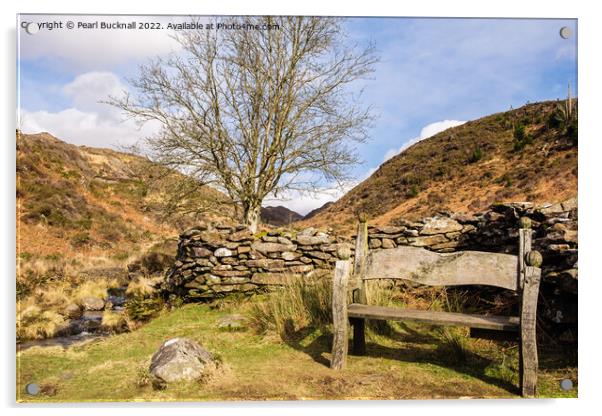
{"x": 471, "y": 364}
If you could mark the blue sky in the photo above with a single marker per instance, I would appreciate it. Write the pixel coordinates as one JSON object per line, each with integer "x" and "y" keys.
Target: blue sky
{"x": 432, "y": 74}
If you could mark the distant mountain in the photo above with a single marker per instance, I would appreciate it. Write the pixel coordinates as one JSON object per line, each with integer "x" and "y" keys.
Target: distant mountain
{"x": 279, "y": 216}
{"x": 525, "y": 154}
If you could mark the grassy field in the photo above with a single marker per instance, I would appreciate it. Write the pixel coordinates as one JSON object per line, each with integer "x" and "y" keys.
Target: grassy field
{"x": 406, "y": 362}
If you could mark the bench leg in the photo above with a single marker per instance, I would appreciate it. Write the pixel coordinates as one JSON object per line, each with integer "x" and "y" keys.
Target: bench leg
{"x": 528, "y": 343}
{"x": 359, "y": 336}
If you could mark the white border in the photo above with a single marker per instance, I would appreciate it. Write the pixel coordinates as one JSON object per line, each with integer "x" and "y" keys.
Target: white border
{"x": 589, "y": 195}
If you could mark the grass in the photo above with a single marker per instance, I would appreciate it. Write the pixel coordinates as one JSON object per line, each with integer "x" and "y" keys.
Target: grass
{"x": 408, "y": 364}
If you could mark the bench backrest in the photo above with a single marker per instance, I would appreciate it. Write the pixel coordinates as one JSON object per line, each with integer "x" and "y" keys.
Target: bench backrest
{"x": 429, "y": 268}
{"x": 433, "y": 269}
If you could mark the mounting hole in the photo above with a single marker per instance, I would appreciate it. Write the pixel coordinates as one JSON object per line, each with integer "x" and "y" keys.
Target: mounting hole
{"x": 566, "y": 384}
{"x": 565, "y": 32}
{"x": 32, "y": 388}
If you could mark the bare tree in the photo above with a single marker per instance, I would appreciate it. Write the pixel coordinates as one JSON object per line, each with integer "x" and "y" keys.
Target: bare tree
{"x": 255, "y": 110}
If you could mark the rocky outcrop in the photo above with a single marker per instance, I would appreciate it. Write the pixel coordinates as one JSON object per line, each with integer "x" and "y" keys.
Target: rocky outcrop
{"x": 181, "y": 359}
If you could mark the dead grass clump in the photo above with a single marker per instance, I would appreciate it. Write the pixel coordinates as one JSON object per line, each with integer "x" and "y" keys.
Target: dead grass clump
{"x": 114, "y": 322}
{"x": 35, "y": 323}
{"x": 94, "y": 288}
{"x": 143, "y": 286}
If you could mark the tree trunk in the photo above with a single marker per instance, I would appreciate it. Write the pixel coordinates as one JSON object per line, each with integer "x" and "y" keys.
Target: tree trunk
{"x": 251, "y": 217}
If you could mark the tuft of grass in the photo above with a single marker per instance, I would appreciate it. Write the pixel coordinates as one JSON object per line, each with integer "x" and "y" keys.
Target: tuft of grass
{"x": 94, "y": 288}
{"x": 142, "y": 287}
{"x": 300, "y": 303}
{"x": 114, "y": 322}
{"x": 454, "y": 345}
{"x": 35, "y": 323}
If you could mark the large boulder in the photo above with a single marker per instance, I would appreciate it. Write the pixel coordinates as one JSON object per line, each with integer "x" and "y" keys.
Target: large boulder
{"x": 181, "y": 359}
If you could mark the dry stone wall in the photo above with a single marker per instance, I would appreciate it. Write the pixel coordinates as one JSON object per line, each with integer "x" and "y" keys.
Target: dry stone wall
{"x": 217, "y": 260}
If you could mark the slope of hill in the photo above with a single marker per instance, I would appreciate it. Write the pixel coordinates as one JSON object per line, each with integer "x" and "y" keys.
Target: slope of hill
{"x": 76, "y": 200}
{"x": 279, "y": 216}
{"x": 522, "y": 154}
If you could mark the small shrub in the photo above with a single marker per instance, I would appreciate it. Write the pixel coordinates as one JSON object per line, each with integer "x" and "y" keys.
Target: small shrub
{"x": 519, "y": 132}
{"x": 477, "y": 154}
{"x": 412, "y": 192}
{"x": 81, "y": 239}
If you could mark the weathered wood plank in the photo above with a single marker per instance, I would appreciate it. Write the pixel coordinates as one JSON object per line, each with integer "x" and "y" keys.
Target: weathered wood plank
{"x": 500, "y": 323}
{"x": 339, "y": 314}
{"x": 429, "y": 268}
{"x": 524, "y": 246}
{"x": 528, "y": 342}
{"x": 359, "y": 263}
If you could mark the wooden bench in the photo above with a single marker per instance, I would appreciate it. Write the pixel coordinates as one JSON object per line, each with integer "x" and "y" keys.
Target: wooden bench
{"x": 518, "y": 273}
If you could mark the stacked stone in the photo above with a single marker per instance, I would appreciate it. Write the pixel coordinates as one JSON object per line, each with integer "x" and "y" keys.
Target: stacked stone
{"x": 496, "y": 230}
{"x": 219, "y": 259}
{"x": 442, "y": 234}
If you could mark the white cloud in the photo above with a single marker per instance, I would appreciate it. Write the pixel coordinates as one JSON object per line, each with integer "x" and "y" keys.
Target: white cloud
{"x": 427, "y": 131}
{"x": 88, "y": 121}
{"x": 87, "y": 49}
{"x": 87, "y": 91}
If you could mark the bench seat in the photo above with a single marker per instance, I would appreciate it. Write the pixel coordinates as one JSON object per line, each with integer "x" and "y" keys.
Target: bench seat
{"x": 494, "y": 322}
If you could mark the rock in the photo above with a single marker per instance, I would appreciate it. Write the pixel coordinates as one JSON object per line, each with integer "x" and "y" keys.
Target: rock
{"x": 284, "y": 240}
{"x": 201, "y": 252}
{"x": 211, "y": 238}
{"x": 411, "y": 233}
{"x": 266, "y": 263}
{"x": 318, "y": 255}
{"x": 73, "y": 311}
{"x": 440, "y": 225}
{"x": 241, "y": 236}
{"x": 308, "y": 232}
{"x": 290, "y": 255}
{"x": 272, "y": 247}
{"x": 388, "y": 243}
{"x": 304, "y": 268}
{"x": 375, "y": 243}
{"x": 181, "y": 359}
{"x": 427, "y": 240}
{"x": 90, "y": 303}
{"x": 223, "y": 252}
{"x": 550, "y": 209}
{"x": 391, "y": 229}
{"x": 306, "y": 240}
{"x": 243, "y": 249}
{"x": 232, "y": 322}
{"x": 231, "y": 273}
{"x": 271, "y": 278}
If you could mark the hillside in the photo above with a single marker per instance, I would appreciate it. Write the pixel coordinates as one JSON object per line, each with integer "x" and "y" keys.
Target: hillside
{"x": 88, "y": 202}
{"x": 279, "y": 216}
{"x": 522, "y": 154}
